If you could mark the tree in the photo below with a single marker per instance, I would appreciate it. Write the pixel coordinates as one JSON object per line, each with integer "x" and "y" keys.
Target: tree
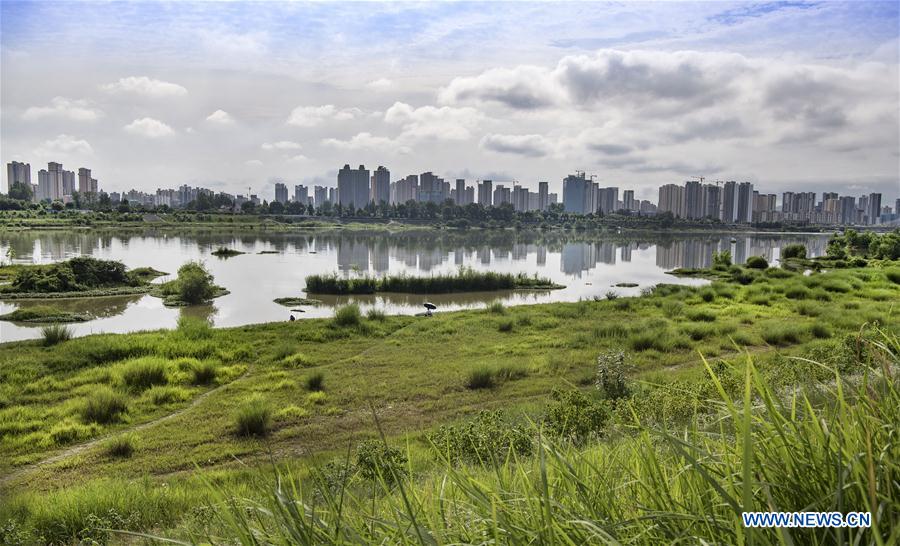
{"x": 195, "y": 283}
{"x": 20, "y": 191}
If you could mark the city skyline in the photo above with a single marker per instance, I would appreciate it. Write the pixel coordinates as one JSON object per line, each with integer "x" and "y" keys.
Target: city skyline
{"x": 641, "y": 95}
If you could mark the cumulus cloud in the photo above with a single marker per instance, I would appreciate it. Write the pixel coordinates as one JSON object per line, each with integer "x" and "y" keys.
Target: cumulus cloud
{"x": 281, "y": 145}
{"x": 149, "y": 127}
{"x": 431, "y": 122}
{"x": 145, "y": 86}
{"x": 365, "y": 141}
{"x": 310, "y": 116}
{"x": 220, "y": 117}
{"x": 526, "y": 145}
{"x": 63, "y": 108}
{"x": 64, "y": 145}
{"x": 381, "y": 84}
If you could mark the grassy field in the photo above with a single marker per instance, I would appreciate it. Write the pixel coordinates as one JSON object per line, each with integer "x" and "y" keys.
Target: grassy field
{"x": 176, "y": 432}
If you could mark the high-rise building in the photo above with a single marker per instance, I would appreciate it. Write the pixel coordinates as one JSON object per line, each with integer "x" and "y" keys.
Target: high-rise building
{"x": 728, "y": 212}
{"x": 281, "y": 193}
{"x": 470, "y": 195}
{"x": 543, "y": 195}
{"x": 353, "y": 187}
{"x": 485, "y": 193}
{"x": 381, "y": 185}
{"x": 628, "y": 200}
{"x": 671, "y": 199}
{"x": 301, "y": 194}
{"x": 897, "y": 207}
{"x": 320, "y": 195}
{"x": 18, "y": 172}
{"x": 460, "y": 191}
{"x": 847, "y": 209}
{"x": 745, "y": 203}
{"x": 712, "y": 201}
{"x": 607, "y": 200}
{"x": 68, "y": 183}
{"x": 693, "y": 199}
{"x": 873, "y": 209}
{"x": 405, "y": 189}
{"x": 432, "y": 188}
{"x": 502, "y": 195}
{"x": 580, "y": 194}
{"x": 84, "y": 180}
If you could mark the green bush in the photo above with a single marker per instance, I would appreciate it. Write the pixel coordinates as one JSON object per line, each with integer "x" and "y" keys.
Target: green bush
{"x": 103, "y": 406}
{"x": 756, "y": 262}
{"x": 253, "y": 417}
{"x": 53, "y": 334}
{"x": 143, "y": 373}
{"x": 195, "y": 283}
{"x": 194, "y": 328}
{"x": 820, "y": 331}
{"x": 375, "y": 314}
{"x": 793, "y": 251}
{"x": 377, "y": 461}
{"x": 893, "y": 275}
{"x": 721, "y": 260}
{"x": 574, "y": 417}
{"x": 612, "y": 374}
{"x": 780, "y": 334}
{"x": 315, "y": 382}
{"x": 78, "y": 274}
{"x": 497, "y": 308}
{"x": 487, "y": 439}
{"x": 797, "y": 292}
{"x": 348, "y": 315}
{"x": 707, "y": 295}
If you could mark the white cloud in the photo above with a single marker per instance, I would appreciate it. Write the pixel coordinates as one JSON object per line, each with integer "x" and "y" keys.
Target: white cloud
{"x": 526, "y": 145}
{"x": 149, "y": 127}
{"x": 253, "y": 163}
{"x": 64, "y": 145}
{"x": 220, "y": 117}
{"x": 147, "y": 87}
{"x": 63, "y": 108}
{"x": 310, "y": 116}
{"x": 381, "y": 84}
{"x": 282, "y": 145}
{"x": 366, "y": 141}
{"x": 296, "y": 158}
{"x": 431, "y": 122}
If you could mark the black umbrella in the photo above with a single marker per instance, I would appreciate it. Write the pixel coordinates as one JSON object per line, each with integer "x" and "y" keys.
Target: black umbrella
{"x": 430, "y": 306}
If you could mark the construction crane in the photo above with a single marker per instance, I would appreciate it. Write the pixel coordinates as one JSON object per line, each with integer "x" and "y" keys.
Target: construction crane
{"x": 698, "y": 178}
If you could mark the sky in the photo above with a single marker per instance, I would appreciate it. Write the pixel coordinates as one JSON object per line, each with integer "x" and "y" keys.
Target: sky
{"x": 801, "y": 96}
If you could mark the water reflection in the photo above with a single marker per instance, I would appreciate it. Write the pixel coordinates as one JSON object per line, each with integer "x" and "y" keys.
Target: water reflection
{"x": 276, "y": 264}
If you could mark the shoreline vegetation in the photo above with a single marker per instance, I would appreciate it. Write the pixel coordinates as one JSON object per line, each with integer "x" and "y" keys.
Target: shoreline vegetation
{"x": 610, "y": 420}
{"x": 80, "y": 277}
{"x": 293, "y": 302}
{"x": 464, "y": 280}
{"x": 44, "y": 315}
{"x": 223, "y": 252}
{"x": 193, "y": 286}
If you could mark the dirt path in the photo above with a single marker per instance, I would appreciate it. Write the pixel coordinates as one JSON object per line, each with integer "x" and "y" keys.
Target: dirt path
{"x": 19, "y": 473}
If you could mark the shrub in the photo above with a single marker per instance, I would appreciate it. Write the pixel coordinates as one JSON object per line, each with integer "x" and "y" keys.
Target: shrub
{"x": 893, "y": 275}
{"x": 497, "y": 308}
{"x": 575, "y": 417}
{"x": 612, "y": 373}
{"x": 348, "y": 315}
{"x": 103, "y": 405}
{"x": 743, "y": 276}
{"x": 203, "y": 372}
{"x": 611, "y": 295}
{"x": 505, "y": 326}
{"x": 121, "y": 446}
{"x": 793, "y": 251}
{"x": 797, "y": 292}
{"x": 707, "y": 295}
{"x": 488, "y": 438}
{"x": 721, "y": 260}
{"x": 377, "y": 461}
{"x": 143, "y": 373}
{"x": 194, "y": 283}
{"x": 253, "y": 417}
{"x": 756, "y": 262}
{"x": 315, "y": 382}
{"x": 375, "y": 314}
{"x": 55, "y": 333}
{"x": 645, "y": 341}
{"x": 480, "y": 378}
{"x": 809, "y": 310}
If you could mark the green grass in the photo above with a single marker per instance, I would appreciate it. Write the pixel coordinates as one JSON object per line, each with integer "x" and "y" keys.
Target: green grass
{"x": 413, "y": 373}
{"x": 348, "y": 315}
{"x": 103, "y": 406}
{"x": 122, "y": 446}
{"x": 145, "y": 372}
{"x": 43, "y": 314}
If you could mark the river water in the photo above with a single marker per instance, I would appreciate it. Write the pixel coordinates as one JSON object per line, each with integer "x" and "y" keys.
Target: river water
{"x": 275, "y": 265}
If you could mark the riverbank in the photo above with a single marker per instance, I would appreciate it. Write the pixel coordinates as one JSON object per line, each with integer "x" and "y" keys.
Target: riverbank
{"x": 321, "y": 380}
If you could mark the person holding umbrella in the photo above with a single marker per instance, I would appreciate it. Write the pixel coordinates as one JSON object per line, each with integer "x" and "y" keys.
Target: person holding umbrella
{"x": 429, "y": 308}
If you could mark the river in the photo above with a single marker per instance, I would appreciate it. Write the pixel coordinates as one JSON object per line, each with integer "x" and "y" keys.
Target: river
{"x": 275, "y": 265}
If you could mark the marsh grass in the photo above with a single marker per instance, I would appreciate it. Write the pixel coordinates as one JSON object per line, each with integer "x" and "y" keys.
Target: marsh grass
{"x": 464, "y": 280}
{"x": 121, "y": 446}
{"x": 103, "y": 406}
{"x": 253, "y": 417}
{"x": 145, "y": 372}
{"x": 53, "y": 334}
{"x": 348, "y": 315}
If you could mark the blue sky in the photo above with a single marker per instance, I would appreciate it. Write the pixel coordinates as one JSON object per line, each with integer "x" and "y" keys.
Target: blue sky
{"x": 231, "y": 94}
